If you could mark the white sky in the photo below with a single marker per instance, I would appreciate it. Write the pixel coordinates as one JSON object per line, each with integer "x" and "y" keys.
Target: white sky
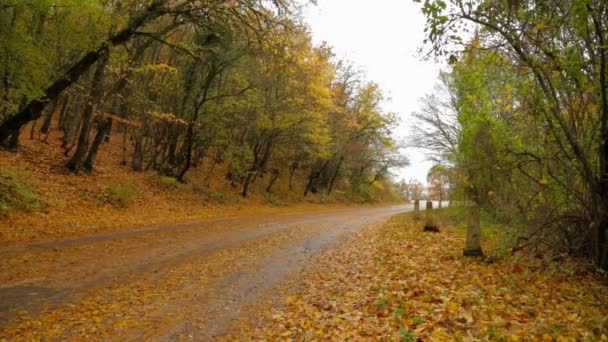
{"x": 381, "y": 38}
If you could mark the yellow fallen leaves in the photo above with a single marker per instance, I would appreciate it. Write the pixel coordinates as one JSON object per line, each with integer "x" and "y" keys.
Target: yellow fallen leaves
{"x": 396, "y": 283}
{"x": 144, "y": 306}
{"x": 74, "y": 205}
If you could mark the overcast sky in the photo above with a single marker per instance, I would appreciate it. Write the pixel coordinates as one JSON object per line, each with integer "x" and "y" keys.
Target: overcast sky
{"x": 382, "y": 38}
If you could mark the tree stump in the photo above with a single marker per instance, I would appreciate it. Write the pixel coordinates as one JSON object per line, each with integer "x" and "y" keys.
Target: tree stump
{"x": 430, "y": 225}
{"x": 417, "y": 209}
{"x": 472, "y": 246}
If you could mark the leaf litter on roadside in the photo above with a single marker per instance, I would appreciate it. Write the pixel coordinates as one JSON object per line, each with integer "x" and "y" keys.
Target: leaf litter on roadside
{"x": 396, "y": 283}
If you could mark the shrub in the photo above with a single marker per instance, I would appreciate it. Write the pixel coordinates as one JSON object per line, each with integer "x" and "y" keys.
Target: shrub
{"x": 119, "y": 195}
{"x": 212, "y": 195}
{"x": 170, "y": 181}
{"x": 274, "y": 201}
{"x": 16, "y": 194}
{"x": 360, "y": 193}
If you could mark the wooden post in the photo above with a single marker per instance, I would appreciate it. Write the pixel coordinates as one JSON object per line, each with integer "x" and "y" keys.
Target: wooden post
{"x": 430, "y": 225}
{"x": 473, "y": 242}
{"x": 417, "y": 209}
{"x": 604, "y": 256}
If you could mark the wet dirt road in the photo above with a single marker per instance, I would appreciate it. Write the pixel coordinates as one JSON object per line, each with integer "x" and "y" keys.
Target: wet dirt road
{"x": 191, "y": 281}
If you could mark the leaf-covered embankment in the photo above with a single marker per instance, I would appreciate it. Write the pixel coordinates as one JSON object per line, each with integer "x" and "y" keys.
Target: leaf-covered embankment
{"x": 396, "y": 282}
{"x": 43, "y": 201}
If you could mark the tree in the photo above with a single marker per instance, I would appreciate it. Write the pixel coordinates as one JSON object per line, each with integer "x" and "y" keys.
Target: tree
{"x": 236, "y": 86}
{"x": 138, "y": 18}
{"x": 436, "y": 128}
{"x": 559, "y": 49}
{"x": 411, "y": 190}
{"x": 438, "y": 181}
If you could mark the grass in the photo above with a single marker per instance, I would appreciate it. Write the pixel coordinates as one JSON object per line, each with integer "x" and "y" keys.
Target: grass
{"x": 497, "y": 238}
{"x": 275, "y": 201}
{"x": 16, "y": 193}
{"x": 170, "y": 182}
{"x": 119, "y": 195}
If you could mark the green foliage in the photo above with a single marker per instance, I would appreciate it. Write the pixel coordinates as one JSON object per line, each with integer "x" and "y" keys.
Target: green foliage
{"x": 405, "y": 335}
{"x": 532, "y": 101}
{"x": 216, "y": 196}
{"x": 274, "y": 200}
{"x": 170, "y": 182}
{"x": 16, "y": 194}
{"x": 360, "y": 192}
{"x": 243, "y": 87}
{"x": 119, "y": 195}
{"x": 39, "y": 37}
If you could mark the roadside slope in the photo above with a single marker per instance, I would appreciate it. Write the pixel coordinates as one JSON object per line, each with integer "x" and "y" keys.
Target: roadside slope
{"x": 115, "y": 198}
{"x": 396, "y": 282}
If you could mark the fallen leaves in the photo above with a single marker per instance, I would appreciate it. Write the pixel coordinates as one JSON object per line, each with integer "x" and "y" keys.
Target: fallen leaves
{"x": 74, "y": 205}
{"x": 396, "y": 283}
{"x": 144, "y": 306}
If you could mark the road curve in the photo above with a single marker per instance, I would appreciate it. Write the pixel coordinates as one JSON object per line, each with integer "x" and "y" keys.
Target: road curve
{"x": 181, "y": 282}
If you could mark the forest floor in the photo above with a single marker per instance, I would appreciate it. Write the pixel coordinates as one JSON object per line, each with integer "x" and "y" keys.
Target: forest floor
{"x": 192, "y": 281}
{"x": 350, "y": 274}
{"x": 394, "y": 282}
{"x": 57, "y": 204}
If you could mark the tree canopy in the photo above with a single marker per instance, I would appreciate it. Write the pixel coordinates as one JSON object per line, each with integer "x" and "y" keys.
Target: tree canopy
{"x": 194, "y": 84}
{"x": 530, "y": 90}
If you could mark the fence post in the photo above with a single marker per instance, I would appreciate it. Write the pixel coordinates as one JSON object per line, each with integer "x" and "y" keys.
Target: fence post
{"x": 430, "y": 225}
{"x": 417, "y": 209}
{"x": 472, "y": 245}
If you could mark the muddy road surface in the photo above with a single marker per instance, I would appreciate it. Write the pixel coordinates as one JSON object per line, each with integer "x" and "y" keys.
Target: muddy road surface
{"x": 191, "y": 281}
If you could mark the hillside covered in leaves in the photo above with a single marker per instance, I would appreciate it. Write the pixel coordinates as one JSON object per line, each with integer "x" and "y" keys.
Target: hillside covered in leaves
{"x": 235, "y": 86}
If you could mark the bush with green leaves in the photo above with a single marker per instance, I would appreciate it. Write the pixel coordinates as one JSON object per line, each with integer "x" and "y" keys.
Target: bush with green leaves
{"x": 119, "y": 195}
{"x": 16, "y": 194}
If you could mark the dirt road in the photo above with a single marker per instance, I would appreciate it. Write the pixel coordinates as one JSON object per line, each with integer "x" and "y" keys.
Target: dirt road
{"x": 183, "y": 282}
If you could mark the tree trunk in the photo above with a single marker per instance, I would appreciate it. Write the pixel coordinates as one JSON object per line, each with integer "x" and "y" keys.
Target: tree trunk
{"x": 473, "y": 240}
{"x": 75, "y": 162}
{"x": 33, "y": 109}
{"x": 314, "y": 177}
{"x": 124, "y": 146}
{"x": 259, "y": 163}
{"x": 61, "y": 121}
{"x": 292, "y": 170}
{"x": 103, "y": 128}
{"x": 67, "y": 143}
{"x": 33, "y": 129}
{"x": 275, "y": 176}
{"x": 207, "y": 179}
{"x": 312, "y": 182}
{"x": 335, "y": 175}
{"x": 13, "y": 143}
{"x": 188, "y": 155}
{"x": 138, "y": 153}
{"x": 600, "y": 223}
{"x": 46, "y": 125}
{"x": 246, "y": 184}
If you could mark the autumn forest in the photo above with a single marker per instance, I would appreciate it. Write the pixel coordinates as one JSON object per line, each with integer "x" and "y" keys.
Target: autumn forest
{"x": 202, "y": 170}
